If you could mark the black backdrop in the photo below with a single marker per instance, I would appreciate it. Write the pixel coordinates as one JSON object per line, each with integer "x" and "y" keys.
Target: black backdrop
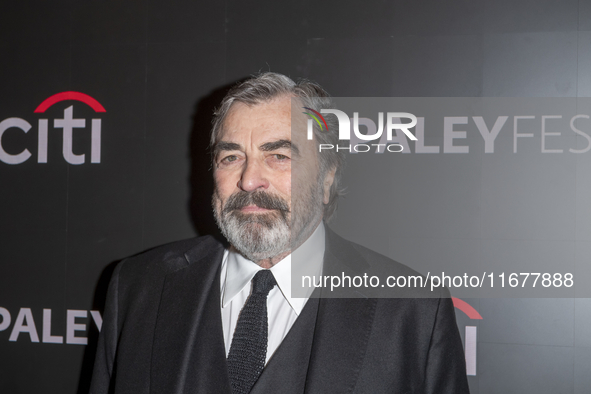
{"x": 158, "y": 68}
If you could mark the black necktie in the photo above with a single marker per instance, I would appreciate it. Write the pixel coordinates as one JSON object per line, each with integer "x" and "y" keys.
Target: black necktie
{"x": 248, "y": 350}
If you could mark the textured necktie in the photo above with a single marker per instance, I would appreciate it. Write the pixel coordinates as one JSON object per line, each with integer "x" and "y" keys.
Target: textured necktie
{"x": 248, "y": 350}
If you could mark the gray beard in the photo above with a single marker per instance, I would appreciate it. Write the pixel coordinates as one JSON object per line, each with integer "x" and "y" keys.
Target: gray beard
{"x": 256, "y": 236}
{"x": 263, "y": 236}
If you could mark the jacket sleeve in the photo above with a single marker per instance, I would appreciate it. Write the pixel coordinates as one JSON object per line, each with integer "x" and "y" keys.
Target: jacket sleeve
{"x": 446, "y": 364}
{"x": 103, "y": 373}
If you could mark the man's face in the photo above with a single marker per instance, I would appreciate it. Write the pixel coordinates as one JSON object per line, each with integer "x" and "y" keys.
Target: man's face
{"x": 253, "y": 201}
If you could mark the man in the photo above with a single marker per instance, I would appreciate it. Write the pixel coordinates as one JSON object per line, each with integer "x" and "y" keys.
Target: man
{"x": 197, "y": 317}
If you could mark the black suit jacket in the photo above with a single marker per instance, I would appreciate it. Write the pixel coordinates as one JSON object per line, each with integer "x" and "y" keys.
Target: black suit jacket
{"x": 162, "y": 332}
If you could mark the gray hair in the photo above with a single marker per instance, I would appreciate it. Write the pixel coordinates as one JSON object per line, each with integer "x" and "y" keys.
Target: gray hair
{"x": 267, "y": 86}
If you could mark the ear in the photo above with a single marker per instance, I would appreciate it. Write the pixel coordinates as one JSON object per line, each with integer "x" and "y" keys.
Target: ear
{"x": 328, "y": 181}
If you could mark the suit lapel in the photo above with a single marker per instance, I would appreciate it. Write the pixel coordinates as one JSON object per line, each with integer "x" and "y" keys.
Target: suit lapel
{"x": 285, "y": 372}
{"x": 343, "y": 325}
{"x": 188, "y": 350}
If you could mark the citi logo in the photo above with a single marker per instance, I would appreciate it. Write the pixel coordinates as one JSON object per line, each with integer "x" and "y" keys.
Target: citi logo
{"x": 393, "y": 122}
{"x": 470, "y": 341}
{"x": 68, "y": 123}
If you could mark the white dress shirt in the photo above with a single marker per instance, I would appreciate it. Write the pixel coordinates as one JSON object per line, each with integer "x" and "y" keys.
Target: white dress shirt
{"x": 282, "y": 310}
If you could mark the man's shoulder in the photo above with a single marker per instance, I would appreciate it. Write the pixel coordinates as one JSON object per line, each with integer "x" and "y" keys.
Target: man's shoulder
{"x": 382, "y": 263}
{"x": 396, "y": 280}
{"x": 167, "y": 258}
{"x": 363, "y": 258}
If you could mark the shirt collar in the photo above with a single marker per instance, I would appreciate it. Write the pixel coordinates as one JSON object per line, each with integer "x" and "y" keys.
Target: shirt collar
{"x": 240, "y": 270}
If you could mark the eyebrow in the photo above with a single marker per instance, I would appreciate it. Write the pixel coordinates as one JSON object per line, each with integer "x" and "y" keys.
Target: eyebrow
{"x": 224, "y": 145}
{"x": 279, "y": 144}
{"x": 266, "y": 147}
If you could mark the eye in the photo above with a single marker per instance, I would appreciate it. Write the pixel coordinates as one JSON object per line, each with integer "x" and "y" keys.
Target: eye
{"x": 228, "y": 161}
{"x": 280, "y": 157}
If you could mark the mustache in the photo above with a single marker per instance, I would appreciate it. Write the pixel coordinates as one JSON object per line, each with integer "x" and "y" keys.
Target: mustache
{"x": 261, "y": 199}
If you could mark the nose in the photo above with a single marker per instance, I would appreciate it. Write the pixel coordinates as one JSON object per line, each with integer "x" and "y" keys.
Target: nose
{"x": 253, "y": 177}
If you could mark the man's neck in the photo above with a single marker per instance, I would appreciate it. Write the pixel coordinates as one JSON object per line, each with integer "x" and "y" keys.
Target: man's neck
{"x": 268, "y": 263}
